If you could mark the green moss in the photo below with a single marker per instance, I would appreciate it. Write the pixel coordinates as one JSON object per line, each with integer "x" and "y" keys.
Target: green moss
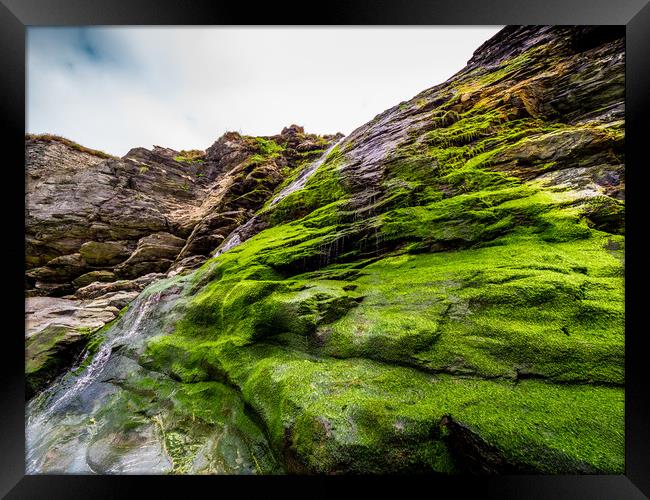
{"x": 204, "y": 427}
{"x": 517, "y": 306}
{"x": 462, "y": 310}
{"x": 359, "y": 416}
{"x": 49, "y": 352}
{"x": 69, "y": 143}
{"x": 322, "y": 188}
{"x": 268, "y": 147}
{"x": 191, "y": 156}
{"x": 507, "y": 69}
{"x": 525, "y": 306}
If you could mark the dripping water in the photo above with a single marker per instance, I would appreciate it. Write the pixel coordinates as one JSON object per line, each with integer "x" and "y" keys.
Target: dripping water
{"x": 301, "y": 180}
{"x": 240, "y": 234}
{"x": 58, "y": 407}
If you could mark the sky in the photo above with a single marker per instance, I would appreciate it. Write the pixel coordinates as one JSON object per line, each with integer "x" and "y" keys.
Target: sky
{"x": 115, "y": 88}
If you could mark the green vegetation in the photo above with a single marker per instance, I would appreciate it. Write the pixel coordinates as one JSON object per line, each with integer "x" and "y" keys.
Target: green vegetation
{"x": 69, "y": 143}
{"x": 448, "y": 301}
{"x": 190, "y": 156}
{"x": 187, "y": 416}
{"x": 268, "y": 147}
{"x": 364, "y": 362}
{"x": 323, "y": 187}
{"x": 49, "y": 352}
{"x": 465, "y": 301}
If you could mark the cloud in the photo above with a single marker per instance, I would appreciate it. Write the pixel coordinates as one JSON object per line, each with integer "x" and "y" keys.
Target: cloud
{"x": 118, "y": 88}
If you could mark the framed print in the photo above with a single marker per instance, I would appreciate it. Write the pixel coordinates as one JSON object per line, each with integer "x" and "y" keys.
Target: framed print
{"x": 400, "y": 243}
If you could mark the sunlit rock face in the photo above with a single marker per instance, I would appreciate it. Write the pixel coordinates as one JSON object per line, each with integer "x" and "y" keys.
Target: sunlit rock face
{"x": 441, "y": 291}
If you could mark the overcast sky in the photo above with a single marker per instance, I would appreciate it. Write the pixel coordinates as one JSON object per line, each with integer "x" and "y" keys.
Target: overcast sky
{"x": 117, "y": 88}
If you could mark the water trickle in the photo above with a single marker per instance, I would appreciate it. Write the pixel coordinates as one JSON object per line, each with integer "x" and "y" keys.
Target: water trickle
{"x": 58, "y": 411}
{"x": 240, "y": 235}
{"x": 301, "y": 180}
{"x": 233, "y": 239}
{"x": 98, "y": 362}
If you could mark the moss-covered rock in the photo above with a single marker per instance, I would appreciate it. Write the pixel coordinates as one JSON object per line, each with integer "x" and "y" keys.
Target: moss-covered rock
{"x": 443, "y": 294}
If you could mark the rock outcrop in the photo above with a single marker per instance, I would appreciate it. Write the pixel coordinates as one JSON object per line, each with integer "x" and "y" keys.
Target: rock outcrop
{"x": 444, "y": 292}
{"x": 94, "y": 221}
{"x": 137, "y": 214}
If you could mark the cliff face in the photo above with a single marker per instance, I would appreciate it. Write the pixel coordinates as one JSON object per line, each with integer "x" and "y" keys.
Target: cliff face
{"x": 441, "y": 292}
{"x": 88, "y": 216}
{"x": 99, "y": 229}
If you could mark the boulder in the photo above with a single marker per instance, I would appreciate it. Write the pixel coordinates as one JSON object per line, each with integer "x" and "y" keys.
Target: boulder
{"x": 92, "y": 277}
{"x": 104, "y": 253}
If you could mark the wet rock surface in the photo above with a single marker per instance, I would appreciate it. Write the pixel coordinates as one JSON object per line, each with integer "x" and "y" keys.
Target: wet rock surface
{"x": 98, "y": 225}
{"x": 57, "y": 330}
{"x": 443, "y": 294}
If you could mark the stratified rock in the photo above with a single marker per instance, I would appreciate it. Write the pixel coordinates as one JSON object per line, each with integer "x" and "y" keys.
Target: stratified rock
{"x": 56, "y": 330}
{"x": 251, "y": 170}
{"x": 446, "y": 292}
{"x": 443, "y": 292}
{"x": 186, "y": 264}
{"x": 60, "y": 270}
{"x": 228, "y": 151}
{"x": 96, "y": 289}
{"x": 102, "y": 228}
{"x": 87, "y": 213}
{"x": 154, "y": 254}
{"x": 104, "y": 253}
{"x": 94, "y": 276}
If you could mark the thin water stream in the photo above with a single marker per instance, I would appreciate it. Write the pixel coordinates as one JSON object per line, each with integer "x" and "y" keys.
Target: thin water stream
{"x": 62, "y": 433}
{"x": 240, "y": 234}
{"x": 59, "y": 424}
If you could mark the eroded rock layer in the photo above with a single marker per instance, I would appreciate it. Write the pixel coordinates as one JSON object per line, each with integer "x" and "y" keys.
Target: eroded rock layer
{"x": 94, "y": 222}
{"x": 444, "y": 293}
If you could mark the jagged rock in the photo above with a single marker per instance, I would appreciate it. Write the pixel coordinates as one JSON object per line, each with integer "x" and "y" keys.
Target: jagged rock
{"x": 186, "y": 264}
{"x": 292, "y": 131}
{"x": 60, "y": 269}
{"x": 113, "y": 300}
{"x": 228, "y": 151}
{"x": 95, "y": 290}
{"x": 104, "y": 209}
{"x": 572, "y": 148}
{"x": 254, "y": 167}
{"x": 157, "y": 245}
{"x": 444, "y": 292}
{"x": 39, "y": 288}
{"x": 70, "y": 204}
{"x": 97, "y": 225}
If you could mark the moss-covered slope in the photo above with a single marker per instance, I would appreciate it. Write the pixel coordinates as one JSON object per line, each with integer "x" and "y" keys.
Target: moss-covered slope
{"x": 446, "y": 293}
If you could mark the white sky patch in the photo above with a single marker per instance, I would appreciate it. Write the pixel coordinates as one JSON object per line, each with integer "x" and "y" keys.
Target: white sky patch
{"x": 117, "y": 88}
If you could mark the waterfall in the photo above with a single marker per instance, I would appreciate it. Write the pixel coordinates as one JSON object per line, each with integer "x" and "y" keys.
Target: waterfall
{"x": 235, "y": 238}
{"x": 55, "y": 409}
{"x": 240, "y": 235}
{"x": 301, "y": 180}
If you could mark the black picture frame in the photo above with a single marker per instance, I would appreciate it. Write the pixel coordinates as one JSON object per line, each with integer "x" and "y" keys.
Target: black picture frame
{"x": 16, "y": 15}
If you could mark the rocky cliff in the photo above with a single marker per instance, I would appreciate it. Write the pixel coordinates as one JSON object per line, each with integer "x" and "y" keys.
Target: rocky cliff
{"x": 99, "y": 229}
{"x": 440, "y": 291}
